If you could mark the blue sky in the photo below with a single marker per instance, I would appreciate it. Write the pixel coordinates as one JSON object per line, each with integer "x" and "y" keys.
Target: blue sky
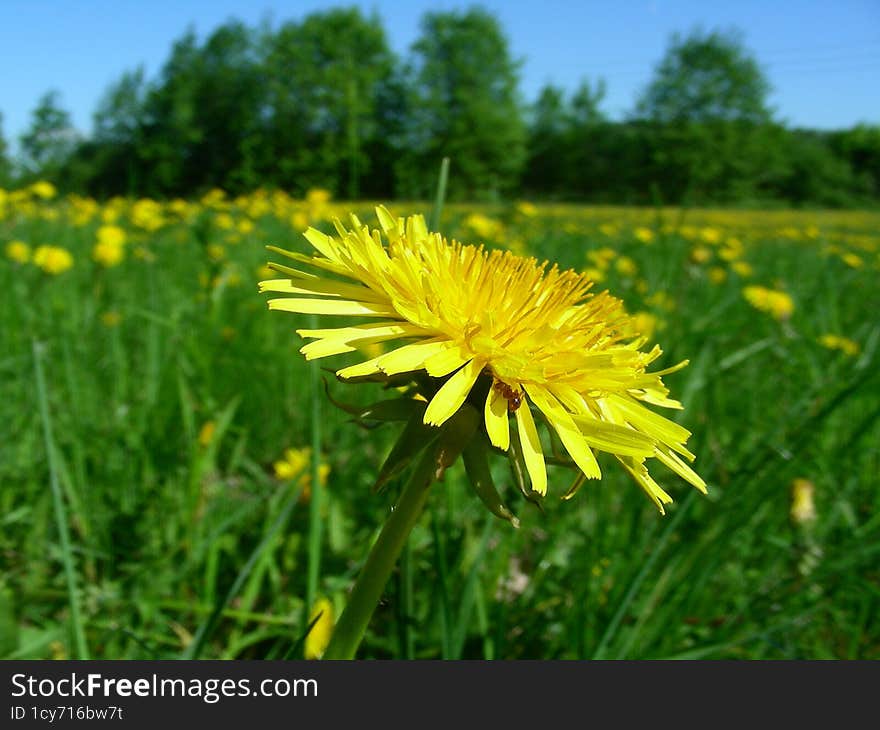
{"x": 822, "y": 58}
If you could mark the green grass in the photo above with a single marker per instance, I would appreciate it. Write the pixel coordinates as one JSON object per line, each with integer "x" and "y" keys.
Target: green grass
{"x": 124, "y": 536}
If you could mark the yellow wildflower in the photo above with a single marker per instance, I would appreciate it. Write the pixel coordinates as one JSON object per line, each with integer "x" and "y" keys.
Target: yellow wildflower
{"x": 772, "y": 301}
{"x": 319, "y": 635}
{"x": 837, "y": 342}
{"x": 111, "y": 235}
{"x": 110, "y": 318}
{"x": 645, "y": 235}
{"x": 53, "y": 259}
{"x": 108, "y": 254}
{"x": 717, "y": 274}
{"x": 18, "y": 251}
{"x": 295, "y": 461}
{"x": 626, "y": 266}
{"x": 743, "y": 268}
{"x": 700, "y": 254}
{"x": 492, "y": 325}
{"x": 206, "y": 433}
{"x": 43, "y": 189}
{"x": 803, "y": 509}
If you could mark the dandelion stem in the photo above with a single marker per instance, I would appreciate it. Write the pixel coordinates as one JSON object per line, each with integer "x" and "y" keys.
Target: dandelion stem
{"x": 371, "y": 582}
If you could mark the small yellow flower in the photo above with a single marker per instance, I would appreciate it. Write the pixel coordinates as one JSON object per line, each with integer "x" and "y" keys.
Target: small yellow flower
{"x": 645, "y": 235}
{"x": 803, "y": 509}
{"x": 852, "y": 260}
{"x": 108, "y": 254}
{"x": 743, "y": 268}
{"x": 206, "y": 433}
{"x": 717, "y": 274}
{"x": 110, "y": 318}
{"x": 837, "y": 342}
{"x": 319, "y": 636}
{"x": 295, "y": 461}
{"x": 710, "y": 235}
{"x": 111, "y": 235}
{"x": 626, "y": 266}
{"x": 18, "y": 251}
{"x": 772, "y": 301}
{"x": 53, "y": 259}
{"x": 526, "y": 209}
{"x": 701, "y": 254}
{"x": 43, "y": 189}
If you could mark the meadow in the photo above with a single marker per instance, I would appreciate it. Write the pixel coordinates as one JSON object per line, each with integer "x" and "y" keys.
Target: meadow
{"x": 157, "y": 429}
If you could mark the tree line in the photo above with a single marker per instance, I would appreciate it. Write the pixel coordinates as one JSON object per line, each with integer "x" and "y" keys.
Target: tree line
{"x": 324, "y": 102}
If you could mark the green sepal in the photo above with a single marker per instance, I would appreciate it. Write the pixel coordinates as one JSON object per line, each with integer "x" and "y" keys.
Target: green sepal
{"x": 393, "y": 409}
{"x": 576, "y": 485}
{"x": 455, "y": 435}
{"x": 415, "y": 437}
{"x": 476, "y": 464}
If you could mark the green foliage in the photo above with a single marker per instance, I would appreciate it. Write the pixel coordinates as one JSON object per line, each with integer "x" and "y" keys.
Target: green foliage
{"x": 466, "y": 104}
{"x": 706, "y": 77}
{"x": 50, "y": 139}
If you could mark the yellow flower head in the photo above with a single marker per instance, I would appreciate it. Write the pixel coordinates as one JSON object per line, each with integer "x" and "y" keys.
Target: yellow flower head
{"x": 838, "y": 342}
{"x": 53, "y": 259}
{"x": 43, "y": 189}
{"x": 111, "y": 235}
{"x": 18, "y": 251}
{"x": 319, "y": 636}
{"x": 803, "y": 509}
{"x": 503, "y": 331}
{"x": 107, "y": 253}
{"x": 773, "y": 301}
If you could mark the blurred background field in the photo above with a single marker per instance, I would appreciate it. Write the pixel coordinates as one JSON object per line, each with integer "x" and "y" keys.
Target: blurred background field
{"x": 162, "y": 441}
{"x": 153, "y": 406}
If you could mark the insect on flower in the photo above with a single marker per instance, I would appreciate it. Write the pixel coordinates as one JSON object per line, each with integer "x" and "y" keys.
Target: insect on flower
{"x": 513, "y": 397}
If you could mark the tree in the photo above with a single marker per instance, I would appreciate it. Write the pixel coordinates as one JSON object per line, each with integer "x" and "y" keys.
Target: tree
{"x": 467, "y": 105}
{"x": 327, "y": 76}
{"x": 706, "y": 105}
{"x": 50, "y": 139}
{"x": 706, "y": 77}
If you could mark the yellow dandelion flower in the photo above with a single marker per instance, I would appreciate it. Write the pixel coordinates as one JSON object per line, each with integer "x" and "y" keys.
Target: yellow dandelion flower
{"x": 527, "y": 209}
{"x": 838, "y": 342}
{"x": 710, "y": 235}
{"x": 110, "y": 318}
{"x": 803, "y": 509}
{"x": 700, "y": 254}
{"x": 645, "y": 235}
{"x": 717, "y": 274}
{"x": 626, "y": 266}
{"x": 111, "y": 235}
{"x": 43, "y": 189}
{"x": 53, "y": 259}
{"x": 743, "y": 268}
{"x": 852, "y": 260}
{"x": 295, "y": 461}
{"x": 772, "y": 301}
{"x": 108, "y": 254}
{"x": 18, "y": 251}
{"x": 506, "y": 332}
{"x": 206, "y": 433}
{"x": 319, "y": 636}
